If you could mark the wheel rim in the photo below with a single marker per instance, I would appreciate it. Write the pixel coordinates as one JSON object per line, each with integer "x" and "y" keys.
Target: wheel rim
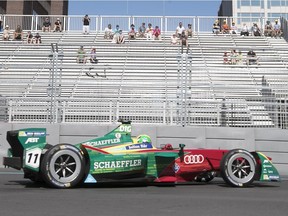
{"x": 241, "y": 168}
{"x": 65, "y": 166}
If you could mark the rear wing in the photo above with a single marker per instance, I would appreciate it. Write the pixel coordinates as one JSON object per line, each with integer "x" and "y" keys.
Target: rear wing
{"x": 25, "y": 138}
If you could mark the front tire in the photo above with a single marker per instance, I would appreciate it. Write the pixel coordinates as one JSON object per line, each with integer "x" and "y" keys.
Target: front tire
{"x": 63, "y": 166}
{"x": 238, "y": 168}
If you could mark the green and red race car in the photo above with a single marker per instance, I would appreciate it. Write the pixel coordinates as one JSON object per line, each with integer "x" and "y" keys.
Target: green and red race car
{"x": 118, "y": 157}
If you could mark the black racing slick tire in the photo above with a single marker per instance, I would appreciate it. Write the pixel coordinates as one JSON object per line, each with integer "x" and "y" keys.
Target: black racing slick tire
{"x": 63, "y": 166}
{"x": 238, "y": 168}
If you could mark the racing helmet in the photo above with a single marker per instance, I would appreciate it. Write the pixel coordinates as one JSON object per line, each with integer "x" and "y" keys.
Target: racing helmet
{"x": 143, "y": 138}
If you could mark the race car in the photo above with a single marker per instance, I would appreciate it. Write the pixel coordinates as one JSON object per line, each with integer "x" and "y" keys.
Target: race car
{"x": 118, "y": 157}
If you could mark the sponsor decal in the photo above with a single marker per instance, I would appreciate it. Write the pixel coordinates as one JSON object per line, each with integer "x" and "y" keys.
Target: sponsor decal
{"x": 102, "y": 142}
{"x": 139, "y": 146}
{"x": 32, "y": 140}
{"x": 176, "y": 167}
{"x": 31, "y": 133}
{"x": 193, "y": 159}
{"x": 116, "y": 164}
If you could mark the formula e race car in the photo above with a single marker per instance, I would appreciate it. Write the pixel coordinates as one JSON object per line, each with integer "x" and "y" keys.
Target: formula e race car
{"x": 118, "y": 157}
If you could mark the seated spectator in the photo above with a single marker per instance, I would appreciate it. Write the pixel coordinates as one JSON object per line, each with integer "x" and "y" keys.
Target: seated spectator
{"x": 30, "y": 37}
{"x": 225, "y": 28}
{"x": 233, "y": 28}
{"x": 239, "y": 58}
{"x": 108, "y": 32}
{"x": 46, "y": 25}
{"x": 141, "y": 31}
{"x": 216, "y": 27}
{"x": 149, "y": 31}
{"x": 189, "y": 31}
{"x": 156, "y": 33}
{"x": 233, "y": 57}
{"x": 183, "y": 39}
{"x": 18, "y": 33}
{"x": 132, "y": 32}
{"x": 116, "y": 33}
{"x": 251, "y": 58}
{"x": 277, "y": 29}
{"x": 1, "y": 23}
{"x": 180, "y": 28}
{"x": 226, "y": 58}
{"x": 174, "y": 40}
{"x": 244, "y": 30}
{"x": 121, "y": 38}
{"x": 268, "y": 30}
{"x": 37, "y": 38}
{"x": 6, "y": 33}
{"x": 81, "y": 55}
{"x": 57, "y": 25}
{"x": 93, "y": 57}
{"x": 255, "y": 30}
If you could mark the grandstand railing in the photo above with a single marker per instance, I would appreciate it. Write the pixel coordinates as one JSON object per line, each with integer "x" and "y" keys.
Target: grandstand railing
{"x": 261, "y": 112}
{"x": 98, "y": 23}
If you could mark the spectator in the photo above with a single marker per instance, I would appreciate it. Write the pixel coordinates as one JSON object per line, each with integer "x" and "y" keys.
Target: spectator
{"x": 174, "y": 40}
{"x": 156, "y": 33}
{"x": 18, "y": 33}
{"x": 239, "y": 58}
{"x": 183, "y": 39}
{"x": 251, "y": 58}
{"x": 268, "y": 30}
{"x": 108, "y": 32}
{"x": 57, "y": 25}
{"x": 244, "y": 30}
{"x": 277, "y": 30}
{"x": 37, "y": 38}
{"x": 121, "y": 38}
{"x": 30, "y": 37}
{"x": 132, "y": 32}
{"x": 226, "y": 58}
{"x": 46, "y": 25}
{"x": 255, "y": 30}
{"x": 225, "y": 28}
{"x": 233, "y": 28}
{"x": 1, "y": 23}
{"x": 149, "y": 31}
{"x": 6, "y": 33}
{"x": 189, "y": 31}
{"x": 81, "y": 55}
{"x": 93, "y": 57}
{"x": 116, "y": 34}
{"x": 141, "y": 31}
{"x": 180, "y": 28}
{"x": 216, "y": 27}
{"x": 86, "y": 22}
{"x": 233, "y": 57}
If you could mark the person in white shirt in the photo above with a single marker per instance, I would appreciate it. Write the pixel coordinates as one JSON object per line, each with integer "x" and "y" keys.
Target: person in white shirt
{"x": 244, "y": 30}
{"x": 108, "y": 32}
{"x": 233, "y": 28}
{"x": 180, "y": 28}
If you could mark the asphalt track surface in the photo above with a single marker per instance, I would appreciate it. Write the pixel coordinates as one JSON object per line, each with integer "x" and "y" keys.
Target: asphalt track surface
{"x": 22, "y": 197}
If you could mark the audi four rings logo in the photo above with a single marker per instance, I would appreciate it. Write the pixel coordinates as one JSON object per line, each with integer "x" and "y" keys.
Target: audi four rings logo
{"x": 193, "y": 159}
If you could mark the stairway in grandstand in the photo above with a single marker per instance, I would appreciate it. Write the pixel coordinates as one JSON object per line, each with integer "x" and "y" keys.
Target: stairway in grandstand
{"x": 143, "y": 69}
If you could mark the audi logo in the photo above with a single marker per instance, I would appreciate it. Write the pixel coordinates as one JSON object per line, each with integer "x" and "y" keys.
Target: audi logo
{"x": 193, "y": 159}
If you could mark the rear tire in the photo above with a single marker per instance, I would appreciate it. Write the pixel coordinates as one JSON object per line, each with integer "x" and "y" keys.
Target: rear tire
{"x": 63, "y": 166}
{"x": 238, "y": 168}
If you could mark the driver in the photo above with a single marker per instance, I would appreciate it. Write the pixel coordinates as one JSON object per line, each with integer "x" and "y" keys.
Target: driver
{"x": 143, "y": 138}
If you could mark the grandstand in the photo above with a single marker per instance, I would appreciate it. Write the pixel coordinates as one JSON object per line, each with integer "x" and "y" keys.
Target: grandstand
{"x": 152, "y": 82}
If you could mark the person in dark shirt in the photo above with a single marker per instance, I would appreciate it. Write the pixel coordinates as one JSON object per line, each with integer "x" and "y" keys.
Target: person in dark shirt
{"x": 37, "y": 38}
{"x": 251, "y": 58}
{"x": 57, "y": 25}
{"x": 86, "y": 22}
{"x": 46, "y": 25}
{"x": 18, "y": 33}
